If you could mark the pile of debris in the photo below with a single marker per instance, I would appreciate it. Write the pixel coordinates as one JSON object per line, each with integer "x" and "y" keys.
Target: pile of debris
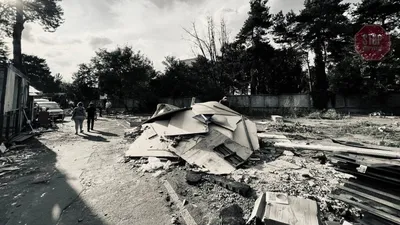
{"x": 376, "y": 187}
{"x": 293, "y": 180}
{"x": 208, "y": 135}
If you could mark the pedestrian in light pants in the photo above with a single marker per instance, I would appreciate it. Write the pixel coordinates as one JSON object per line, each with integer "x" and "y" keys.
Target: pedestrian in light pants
{"x": 91, "y": 114}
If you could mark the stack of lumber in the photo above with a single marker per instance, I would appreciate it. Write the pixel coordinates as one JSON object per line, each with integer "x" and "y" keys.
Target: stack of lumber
{"x": 375, "y": 188}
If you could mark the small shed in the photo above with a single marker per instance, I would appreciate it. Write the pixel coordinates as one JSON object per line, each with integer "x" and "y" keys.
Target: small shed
{"x": 14, "y": 92}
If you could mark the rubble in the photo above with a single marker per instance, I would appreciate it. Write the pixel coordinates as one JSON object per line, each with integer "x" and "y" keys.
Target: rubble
{"x": 214, "y": 140}
{"x": 154, "y": 164}
{"x": 208, "y": 135}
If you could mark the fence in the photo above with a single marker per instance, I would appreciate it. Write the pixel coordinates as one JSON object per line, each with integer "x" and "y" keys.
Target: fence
{"x": 302, "y": 103}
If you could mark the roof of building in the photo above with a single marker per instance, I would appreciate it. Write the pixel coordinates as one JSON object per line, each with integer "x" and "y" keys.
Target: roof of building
{"x": 189, "y": 62}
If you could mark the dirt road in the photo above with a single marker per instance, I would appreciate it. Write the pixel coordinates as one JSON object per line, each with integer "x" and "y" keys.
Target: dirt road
{"x": 80, "y": 179}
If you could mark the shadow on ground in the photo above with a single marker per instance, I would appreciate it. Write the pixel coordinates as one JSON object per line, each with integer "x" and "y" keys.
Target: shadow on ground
{"x": 105, "y": 133}
{"x": 94, "y": 137}
{"x": 38, "y": 193}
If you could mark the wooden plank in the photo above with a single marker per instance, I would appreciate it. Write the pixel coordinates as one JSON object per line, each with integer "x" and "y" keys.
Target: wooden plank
{"x": 359, "y": 145}
{"x": 370, "y": 197}
{"x": 369, "y": 219}
{"x": 371, "y": 210}
{"x": 379, "y": 171}
{"x": 373, "y": 190}
{"x": 375, "y": 162}
{"x": 183, "y": 123}
{"x": 189, "y": 220}
{"x": 380, "y": 153}
{"x": 365, "y": 175}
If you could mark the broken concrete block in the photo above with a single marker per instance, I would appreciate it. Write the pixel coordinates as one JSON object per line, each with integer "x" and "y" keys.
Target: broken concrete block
{"x": 288, "y": 153}
{"x": 276, "y": 118}
{"x": 240, "y": 188}
{"x": 261, "y": 126}
{"x": 232, "y": 215}
{"x": 193, "y": 177}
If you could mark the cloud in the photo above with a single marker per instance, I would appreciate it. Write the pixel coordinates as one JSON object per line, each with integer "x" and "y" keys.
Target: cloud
{"x": 152, "y": 26}
{"x": 27, "y": 34}
{"x": 54, "y": 54}
{"x": 58, "y": 41}
{"x": 98, "y": 42}
{"x": 63, "y": 63}
{"x": 167, "y": 4}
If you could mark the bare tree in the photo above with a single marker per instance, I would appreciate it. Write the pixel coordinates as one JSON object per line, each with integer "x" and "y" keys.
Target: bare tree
{"x": 207, "y": 46}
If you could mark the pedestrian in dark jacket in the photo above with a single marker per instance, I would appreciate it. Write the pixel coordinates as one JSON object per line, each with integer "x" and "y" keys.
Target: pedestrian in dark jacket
{"x": 224, "y": 101}
{"x": 78, "y": 115}
{"x": 91, "y": 114}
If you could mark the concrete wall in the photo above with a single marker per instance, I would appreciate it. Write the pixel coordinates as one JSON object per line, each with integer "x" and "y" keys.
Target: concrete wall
{"x": 300, "y": 103}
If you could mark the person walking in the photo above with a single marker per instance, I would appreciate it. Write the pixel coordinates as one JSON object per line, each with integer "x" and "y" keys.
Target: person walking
{"x": 78, "y": 116}
{"x": 108, "y": 107}
{"x": 224, "y": 101}
{"x": 91, "y": 114}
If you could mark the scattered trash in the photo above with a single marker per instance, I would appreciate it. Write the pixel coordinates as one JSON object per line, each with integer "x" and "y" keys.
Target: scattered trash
{"x": 3, "y": 148}
{"x": 152, "y": 165}
{"x": 277, "y": 119}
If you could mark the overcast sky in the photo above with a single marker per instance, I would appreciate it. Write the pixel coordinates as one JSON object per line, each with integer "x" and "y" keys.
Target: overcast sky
{"x": 152, "y": 26}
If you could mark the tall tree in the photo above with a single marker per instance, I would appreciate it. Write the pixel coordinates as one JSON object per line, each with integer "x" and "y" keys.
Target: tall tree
{"x": 176, "y": 81}
{"x": 39, "y": 74}
{"x": 253, "y": 36}
{"x": 381, "y": 77}
{"x": 123, "y": 73}
{"x": 321, "y": 25}
{"x": 207, "y": 46}
{"x": 3, "y": 53}
{"x": 15, "y": 14}
{"x": 85, "y": 83}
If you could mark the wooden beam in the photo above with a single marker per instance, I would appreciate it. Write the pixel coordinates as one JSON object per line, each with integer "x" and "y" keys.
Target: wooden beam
{"x": 373, "y": 190}
{"x": 384, "y": 215}
{"x": 379, "y": 153}
{"x": 370, "y": 197}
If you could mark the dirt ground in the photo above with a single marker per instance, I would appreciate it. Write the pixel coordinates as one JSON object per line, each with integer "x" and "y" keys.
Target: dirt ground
{"x": 69, "y": 179}
{"x": 62, "y": 178}
{"x": 363, "y": 129}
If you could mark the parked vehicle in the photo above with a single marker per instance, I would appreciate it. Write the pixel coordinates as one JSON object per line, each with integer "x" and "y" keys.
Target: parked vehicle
{"x": 37, "y": 100}
{"x": 54, "y": 109}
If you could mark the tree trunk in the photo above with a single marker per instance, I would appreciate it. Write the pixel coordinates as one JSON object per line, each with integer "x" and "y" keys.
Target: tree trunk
{"x": 17, "y": 34}
{"x": 321, "y": 82}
